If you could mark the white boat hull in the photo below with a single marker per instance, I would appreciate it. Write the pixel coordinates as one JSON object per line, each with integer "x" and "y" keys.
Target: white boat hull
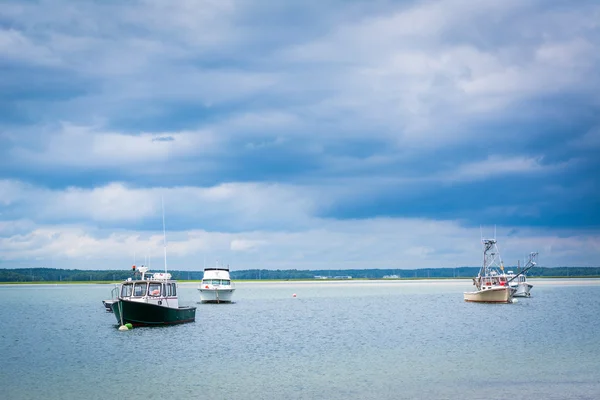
{"x": 492, "y": 295}
{"x": 522, "y": 289}
{"x": 216, "y": 295}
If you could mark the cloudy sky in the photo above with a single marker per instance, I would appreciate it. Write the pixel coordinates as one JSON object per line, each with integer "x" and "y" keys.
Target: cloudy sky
{"x": 298, "y": 134}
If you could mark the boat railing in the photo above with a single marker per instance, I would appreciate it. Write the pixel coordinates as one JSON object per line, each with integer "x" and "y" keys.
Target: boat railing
{"x": 114, "y": 293}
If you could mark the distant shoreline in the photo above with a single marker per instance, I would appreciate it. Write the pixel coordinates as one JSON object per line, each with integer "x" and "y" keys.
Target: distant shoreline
{"x": 541, "y": 278}
{"x": 58, "y": 275}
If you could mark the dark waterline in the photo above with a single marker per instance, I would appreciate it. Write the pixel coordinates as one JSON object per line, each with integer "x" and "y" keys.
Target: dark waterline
{"x": 335, "y": 340}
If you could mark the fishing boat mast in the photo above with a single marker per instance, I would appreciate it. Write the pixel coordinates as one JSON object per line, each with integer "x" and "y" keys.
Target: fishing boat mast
{"x": 492, "y": 263}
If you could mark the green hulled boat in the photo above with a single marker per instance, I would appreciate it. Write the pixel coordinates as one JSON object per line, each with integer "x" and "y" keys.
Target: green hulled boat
{"x": 150, "y": 301}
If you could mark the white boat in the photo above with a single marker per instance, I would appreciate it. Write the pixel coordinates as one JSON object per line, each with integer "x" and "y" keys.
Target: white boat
{"x": 491, "y": 282}
{"x": 216, "y": 286}
{"x": 519, "y": 283}
{"x": 521, "y": 286}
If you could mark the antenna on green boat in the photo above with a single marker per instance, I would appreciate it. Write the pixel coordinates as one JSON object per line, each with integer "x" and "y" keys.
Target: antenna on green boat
{"x": 162, "y": 201}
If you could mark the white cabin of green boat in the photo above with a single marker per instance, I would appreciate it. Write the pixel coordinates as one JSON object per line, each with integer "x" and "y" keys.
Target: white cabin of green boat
{"x": 157, "y": 290}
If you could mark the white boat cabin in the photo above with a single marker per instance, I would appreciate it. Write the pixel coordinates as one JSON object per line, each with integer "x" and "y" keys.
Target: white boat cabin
{"x": 519, "y": 279}
{"x": 214, "y": 277}
{"x": 491, "y": 281}
{"x": 156, "y": 289}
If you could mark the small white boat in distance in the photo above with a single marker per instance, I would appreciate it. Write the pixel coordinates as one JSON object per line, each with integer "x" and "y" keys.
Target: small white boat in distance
{"x": 216, "y": 286}
{"x": 519, "y": 283}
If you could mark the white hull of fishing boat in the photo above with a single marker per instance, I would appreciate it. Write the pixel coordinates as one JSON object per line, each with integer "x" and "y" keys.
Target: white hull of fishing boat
{"x": 491, "y": 295}
{"x": 215, "y": 295}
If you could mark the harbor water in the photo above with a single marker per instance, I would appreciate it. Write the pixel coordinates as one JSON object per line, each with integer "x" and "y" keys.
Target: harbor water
{"x": 334, "y": 340}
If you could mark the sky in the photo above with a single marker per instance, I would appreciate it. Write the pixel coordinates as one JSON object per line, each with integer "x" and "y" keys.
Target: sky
{"x": 301, "y": 134}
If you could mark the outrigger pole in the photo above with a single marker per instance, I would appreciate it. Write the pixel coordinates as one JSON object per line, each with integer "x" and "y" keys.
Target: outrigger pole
{"x": 162, "y": 202}
{"x": 530, "y": 264}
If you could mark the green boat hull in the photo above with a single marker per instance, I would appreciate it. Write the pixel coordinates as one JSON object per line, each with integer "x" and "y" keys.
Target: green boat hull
{"x": 145, "y": 314}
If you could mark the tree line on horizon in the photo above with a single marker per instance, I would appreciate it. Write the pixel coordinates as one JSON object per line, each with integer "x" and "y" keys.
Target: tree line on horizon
{"x": 75, "y": 275}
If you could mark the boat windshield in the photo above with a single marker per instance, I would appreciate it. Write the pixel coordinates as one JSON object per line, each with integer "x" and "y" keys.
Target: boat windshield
{"x": 494, "y": 281}
{"x": 139, "y": 289}
{"x": 126, "y": 290}
{"x": 154, "y": 289}
{"x": 217, "y": 282}
{"x": 171, "y": 289}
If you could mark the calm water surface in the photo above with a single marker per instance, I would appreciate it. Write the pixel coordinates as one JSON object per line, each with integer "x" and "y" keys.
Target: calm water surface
{"x": 335, "y": 340}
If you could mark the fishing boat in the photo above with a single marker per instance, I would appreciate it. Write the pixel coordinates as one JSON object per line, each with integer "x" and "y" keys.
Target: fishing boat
{"x": 491, "y": 281}
{"x": 149, "y": 299}
{"x": 216, "y": 286}
{"x": 519, "y": 283}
